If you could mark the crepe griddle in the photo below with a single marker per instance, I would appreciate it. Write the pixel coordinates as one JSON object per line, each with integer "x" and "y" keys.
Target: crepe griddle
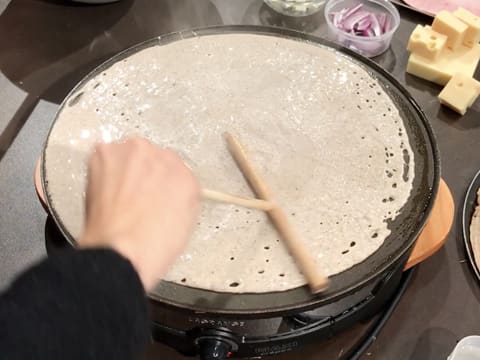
{"x": 404, "y": 229}
{"x": 468, "y": 209}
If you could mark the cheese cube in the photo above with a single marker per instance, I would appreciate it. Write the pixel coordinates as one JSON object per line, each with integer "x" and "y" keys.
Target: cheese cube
{"x": 447, "y": 24}
{"x": 472, "y": 36}
{"x": 460, "y": 93}
{"x": 449, "y": 62}
{"x": 426, "y": 43}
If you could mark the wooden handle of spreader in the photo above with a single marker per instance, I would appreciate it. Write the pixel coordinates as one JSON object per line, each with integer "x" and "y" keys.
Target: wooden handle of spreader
{"x": 237, "y": 200}
{"x": 317, "y": 281}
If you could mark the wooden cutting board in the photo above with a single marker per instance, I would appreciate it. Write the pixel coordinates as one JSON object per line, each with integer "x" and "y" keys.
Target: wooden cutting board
{"x": 436, "y": 229}
{"x": 431, "y": 239}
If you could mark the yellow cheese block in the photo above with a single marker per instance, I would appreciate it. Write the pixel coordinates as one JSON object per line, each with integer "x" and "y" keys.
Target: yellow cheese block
{"x": 460, "y": 93}
{"x": 449, "y": 62}
{"x": 472, "y": 36}
{"x": 426, "y": 42}
{"x": 447, "y": 24}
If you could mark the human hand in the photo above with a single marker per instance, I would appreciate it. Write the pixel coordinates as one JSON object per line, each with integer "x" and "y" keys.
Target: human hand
{"x": 142, "y": 201}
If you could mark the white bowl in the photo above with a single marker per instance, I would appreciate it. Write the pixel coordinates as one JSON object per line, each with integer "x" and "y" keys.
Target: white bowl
{"x": 467, "y": 349}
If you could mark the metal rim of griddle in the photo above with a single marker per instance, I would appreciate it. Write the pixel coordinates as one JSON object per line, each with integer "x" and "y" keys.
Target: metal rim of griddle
{"x": 301, "y": 329}
{"x": 408, "y": 223}
{"x": 467, "y": 213}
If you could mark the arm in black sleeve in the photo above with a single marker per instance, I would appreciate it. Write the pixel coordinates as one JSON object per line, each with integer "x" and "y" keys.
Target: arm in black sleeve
{"x": 87, "y": 304}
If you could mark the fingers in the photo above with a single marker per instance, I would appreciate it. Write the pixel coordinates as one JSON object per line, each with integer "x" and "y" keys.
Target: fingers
{"x": 132, "y": 157}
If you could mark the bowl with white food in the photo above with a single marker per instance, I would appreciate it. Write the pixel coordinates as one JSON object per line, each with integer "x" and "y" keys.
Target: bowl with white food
{"x": 295, "y": 8}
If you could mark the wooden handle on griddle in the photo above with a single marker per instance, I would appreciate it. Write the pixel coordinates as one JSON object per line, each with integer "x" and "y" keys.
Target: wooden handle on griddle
{"x": 317, "y": 281}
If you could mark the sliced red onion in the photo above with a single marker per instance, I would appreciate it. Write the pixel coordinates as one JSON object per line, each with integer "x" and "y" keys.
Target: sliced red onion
{"x": 352, "y": 10}
{"x": 363, "y": 24}
{"x": 382, "y": 18}
{"x": 369, "y": 32}
{"x": 350, "y": 22}
{"x": 354, "y": 20}
{"x": 375, "y": 26}
{"x": 388, "y": 24}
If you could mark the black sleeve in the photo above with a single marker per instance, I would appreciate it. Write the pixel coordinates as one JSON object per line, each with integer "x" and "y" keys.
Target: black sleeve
{"x": 87, "y": 304}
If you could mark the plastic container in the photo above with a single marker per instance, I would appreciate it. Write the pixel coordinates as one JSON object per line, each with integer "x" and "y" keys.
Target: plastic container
{"x": 467, "y": 349}
{"x": 295, "y": 7}
{"x": 367, "y": 46}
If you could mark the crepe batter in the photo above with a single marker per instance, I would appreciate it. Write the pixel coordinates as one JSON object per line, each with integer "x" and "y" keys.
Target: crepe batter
{"x": 321, "y": 130}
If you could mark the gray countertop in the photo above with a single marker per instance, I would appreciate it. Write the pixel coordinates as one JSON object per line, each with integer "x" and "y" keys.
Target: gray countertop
{"x": 47, "y": 46}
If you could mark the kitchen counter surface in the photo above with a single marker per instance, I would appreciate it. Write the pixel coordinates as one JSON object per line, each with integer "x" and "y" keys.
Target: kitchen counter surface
{"x": 47, "y": 46}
